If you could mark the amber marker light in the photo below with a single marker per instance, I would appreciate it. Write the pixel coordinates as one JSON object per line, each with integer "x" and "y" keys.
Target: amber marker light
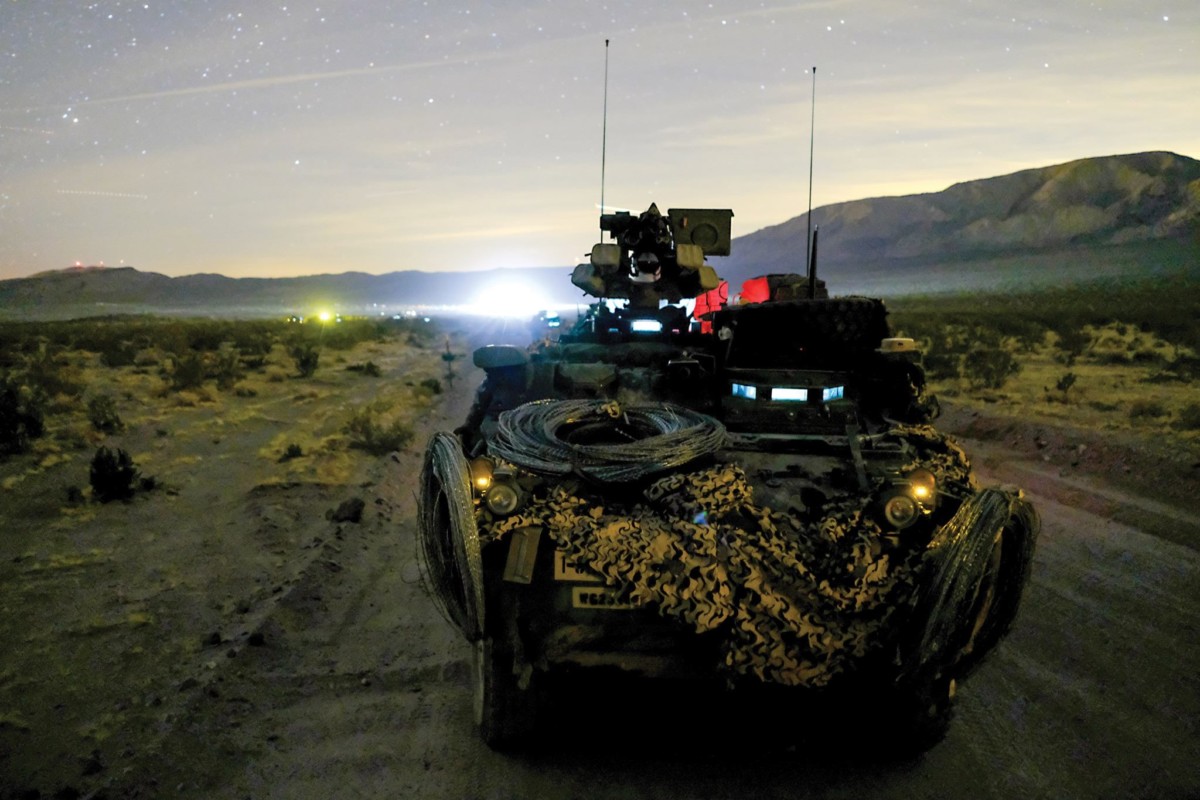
{"x": 924, "y": 486}
{"x": 481, "y": 470}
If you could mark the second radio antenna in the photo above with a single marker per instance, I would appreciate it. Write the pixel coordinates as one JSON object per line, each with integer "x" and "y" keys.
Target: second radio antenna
{"x": 810, "y": 245}
{"x": 604, "y": 136}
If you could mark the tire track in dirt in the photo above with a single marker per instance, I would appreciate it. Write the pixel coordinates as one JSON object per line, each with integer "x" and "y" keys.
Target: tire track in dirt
{"x": 363, "y": 690}
{"x": 349, "y": 637}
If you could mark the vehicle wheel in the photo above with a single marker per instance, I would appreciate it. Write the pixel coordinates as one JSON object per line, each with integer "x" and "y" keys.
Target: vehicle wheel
{"x": 919, "y": 717}
{"x": 504, "y": 712}
{"x": 1000, "y": 587}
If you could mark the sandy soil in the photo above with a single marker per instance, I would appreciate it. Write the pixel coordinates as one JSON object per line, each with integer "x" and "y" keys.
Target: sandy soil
{"x": 225, "y": 639}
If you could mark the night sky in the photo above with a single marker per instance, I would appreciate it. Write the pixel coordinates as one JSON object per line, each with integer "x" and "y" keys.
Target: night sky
{"x": 292, "y": 138}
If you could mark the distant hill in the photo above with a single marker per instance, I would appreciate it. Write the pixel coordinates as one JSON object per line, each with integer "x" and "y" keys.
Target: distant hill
{"x": 1085, "y": 206}
{"x": 91, "y": 291}
{"x": 1113, "y": 217}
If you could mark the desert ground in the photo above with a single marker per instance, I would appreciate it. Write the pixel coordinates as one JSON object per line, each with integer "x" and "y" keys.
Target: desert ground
{"x": 236, "y": 631}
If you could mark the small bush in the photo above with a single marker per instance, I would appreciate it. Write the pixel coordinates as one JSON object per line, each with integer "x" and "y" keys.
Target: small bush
{"x": 1189, "y": 418}
{"x": 118, "y": 354}
{"x": 989, "y": 367}
{"x": 306, "y": 357}
{"x": 1073, "y": 343}
{"x": 21, "y": 416}
{"x": 187, "y": 371}
{"x": 1063, "y": 385}
{"x": 293, "y": 451}
{"x": 370, "y": 369}
{"x": 102, "y": 411}
{"x": 431, "y": 385}
{"x": 227, "y": 368}
{"x": 113, "y": 475}
{"x": 1147, "y": 409}
{"x": 48, "y": 371}
{"x": 378, "y": 437}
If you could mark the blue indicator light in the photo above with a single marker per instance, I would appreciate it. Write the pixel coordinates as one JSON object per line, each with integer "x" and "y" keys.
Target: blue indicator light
{"x": 745, "y": 391}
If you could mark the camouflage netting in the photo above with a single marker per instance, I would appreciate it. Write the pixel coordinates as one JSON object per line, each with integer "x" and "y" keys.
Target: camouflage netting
{"x": 940, "y": 455}
{"x": 799, "y": 600}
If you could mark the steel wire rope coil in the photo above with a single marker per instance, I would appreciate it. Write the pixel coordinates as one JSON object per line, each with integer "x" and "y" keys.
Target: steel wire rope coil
{"x": 550, "y": 437}
{"x": 962, "y": 563}
{"x": 451, "y": 553}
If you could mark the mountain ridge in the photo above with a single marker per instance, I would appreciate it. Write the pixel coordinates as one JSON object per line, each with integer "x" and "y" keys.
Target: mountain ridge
{"x": 1131, "y": 212}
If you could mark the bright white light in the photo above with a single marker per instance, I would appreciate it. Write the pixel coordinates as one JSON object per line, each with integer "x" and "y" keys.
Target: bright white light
{"x": 508, "y": 298}
{"x": 789, "y": 394}
{"x": 645, "y": 326}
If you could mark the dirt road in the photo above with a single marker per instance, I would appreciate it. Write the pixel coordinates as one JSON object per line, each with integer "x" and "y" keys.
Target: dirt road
{"x": 364, "y": 692}
{"x": 346, "y": 682}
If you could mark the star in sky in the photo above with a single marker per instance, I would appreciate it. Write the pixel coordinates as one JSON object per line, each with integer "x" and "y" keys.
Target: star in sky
{"x": 295, "y": 138}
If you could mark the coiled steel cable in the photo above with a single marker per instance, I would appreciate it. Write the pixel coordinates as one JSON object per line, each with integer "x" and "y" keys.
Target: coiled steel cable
{"x": 952, "y": 634}
{"x": 451, "y": 560}
{"x": 659, "y": 437}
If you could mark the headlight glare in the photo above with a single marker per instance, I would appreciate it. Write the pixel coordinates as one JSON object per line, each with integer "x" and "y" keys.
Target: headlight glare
{"x": 502, "y": 499}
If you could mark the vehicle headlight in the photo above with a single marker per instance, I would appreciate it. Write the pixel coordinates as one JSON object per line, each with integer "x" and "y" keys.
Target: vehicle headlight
{"x": 909, "y": 497}
{"x": 900, "y": 510}
{"x": 502, "y": 499}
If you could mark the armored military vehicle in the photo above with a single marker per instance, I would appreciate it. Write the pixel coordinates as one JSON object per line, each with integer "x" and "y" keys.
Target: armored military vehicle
{"x": 748, "y": 495}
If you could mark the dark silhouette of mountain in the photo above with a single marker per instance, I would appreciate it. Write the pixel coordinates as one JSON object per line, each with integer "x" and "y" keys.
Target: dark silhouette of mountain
{"x": 91, "y": 291}
{"x": 1114, "y": 216}
{"x": 1087, "y": 205}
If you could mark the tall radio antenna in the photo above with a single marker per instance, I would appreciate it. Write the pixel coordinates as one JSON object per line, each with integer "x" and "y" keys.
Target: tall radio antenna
{"x": 808, "y": 239}
{"x": 604, "y": 135}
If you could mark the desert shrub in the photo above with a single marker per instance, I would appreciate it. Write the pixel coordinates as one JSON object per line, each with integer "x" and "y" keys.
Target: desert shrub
{"x": 102, "y": 412}
{"x": 227, "y": 367}
{"x": 113, "y": 475}
{"x": 21, "y": 415}
{"x": 187, "y": 371}
{"x": 48, "y": 370}
{"x": 348, "y": 333}
{"x": 1072, "y": 343}
{"x": 1189, "y": 418}
{"x": 421, "y": 333}
{"x": 370, "y": 369}
{"x": 1063, "y": 385}
{"x": 370, "y": 431}
{"x": 255, "y": 338}
{"x": 1111, "y": 358}
{"x": 1026, "y": 334}
{"x": 987, "y": 362}
{"x": 118, "y": 354}
{"x": 306, "y": 357}
{"x": 989, "y": 367}
{"x": 431, "y": 385}
{"x": 293, "y": 450}
{"x": 1147, "y": 409}
{"x": 1181, "y": 368}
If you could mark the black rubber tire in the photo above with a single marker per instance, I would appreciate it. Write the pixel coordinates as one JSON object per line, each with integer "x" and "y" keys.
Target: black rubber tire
{"x": 1001, "y": 588}
{"x": 505, "y": 713}
{"x": 917, "y": 717}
